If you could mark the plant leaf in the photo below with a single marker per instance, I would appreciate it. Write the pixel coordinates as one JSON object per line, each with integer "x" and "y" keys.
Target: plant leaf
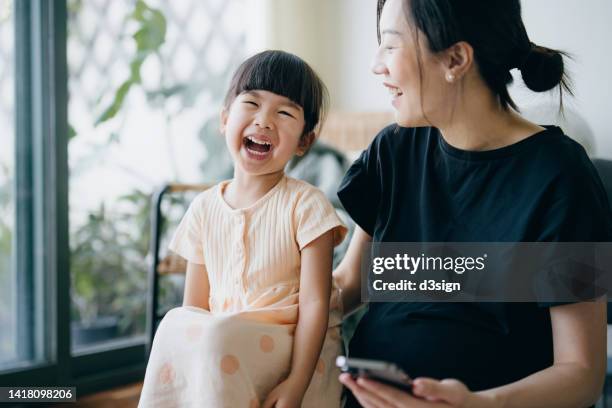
{"x": 149, "y": 38}
{"x": 112, "y": 110}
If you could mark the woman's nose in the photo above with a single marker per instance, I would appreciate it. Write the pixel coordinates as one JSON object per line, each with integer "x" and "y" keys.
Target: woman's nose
{"x": 378, "y": 67}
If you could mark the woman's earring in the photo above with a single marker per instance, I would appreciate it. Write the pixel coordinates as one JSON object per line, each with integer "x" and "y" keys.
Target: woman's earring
{"x": 450, "y": 77}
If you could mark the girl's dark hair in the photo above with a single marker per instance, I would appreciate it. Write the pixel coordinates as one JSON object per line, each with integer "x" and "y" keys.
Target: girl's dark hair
{"x": 287, "y": 75}
{"x": 495, "y": 30}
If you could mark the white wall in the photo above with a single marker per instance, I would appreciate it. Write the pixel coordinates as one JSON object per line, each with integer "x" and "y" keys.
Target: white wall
{"x": 343, "y": 40}
{"x": 582, "y": 28}
{"x": 337, "y": 37}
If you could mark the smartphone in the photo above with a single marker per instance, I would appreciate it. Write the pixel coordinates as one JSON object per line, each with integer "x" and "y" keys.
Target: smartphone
{"x": 382, "y": 371}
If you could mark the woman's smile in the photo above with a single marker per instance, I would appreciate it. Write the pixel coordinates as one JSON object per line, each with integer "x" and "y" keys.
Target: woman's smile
{"x": 395, "y": 93}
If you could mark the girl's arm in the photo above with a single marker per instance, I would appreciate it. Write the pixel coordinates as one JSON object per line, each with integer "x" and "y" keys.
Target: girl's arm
{"x": 348, "y": 274}
{"x": 313, "y": 316}
{"x": 197, "y": 288}
{"x": 574, "y": 380}
{"x": 313, "y": 309}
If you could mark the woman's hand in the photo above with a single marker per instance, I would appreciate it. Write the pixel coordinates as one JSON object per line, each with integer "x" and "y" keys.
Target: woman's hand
{"x": 287, "y": 394}
{"x": 428, "y": 393}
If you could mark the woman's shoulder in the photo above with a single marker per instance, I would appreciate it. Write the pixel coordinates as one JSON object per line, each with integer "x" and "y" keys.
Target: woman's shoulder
{"x": 397, "y": 147}
{"x": 557, "y": 142}
{"x": 575, "y": 201}
{"x": 562, "y": 156}
{"x": 395, "y": 134}
{"x": 572, "y": 177}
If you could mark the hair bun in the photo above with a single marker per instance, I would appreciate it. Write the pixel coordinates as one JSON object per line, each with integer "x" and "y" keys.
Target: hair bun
{"x": 542, "y": 69}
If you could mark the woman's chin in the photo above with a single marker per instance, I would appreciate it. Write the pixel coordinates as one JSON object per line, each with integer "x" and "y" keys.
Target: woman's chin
{"x": 409, "y": 120}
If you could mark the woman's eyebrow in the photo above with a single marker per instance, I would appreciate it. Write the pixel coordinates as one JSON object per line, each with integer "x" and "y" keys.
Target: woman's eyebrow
{"x": 390, "y": 31}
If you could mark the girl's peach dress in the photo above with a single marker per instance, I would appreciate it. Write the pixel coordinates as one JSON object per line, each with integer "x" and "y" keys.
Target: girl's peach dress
{"x": 236, "y": 353}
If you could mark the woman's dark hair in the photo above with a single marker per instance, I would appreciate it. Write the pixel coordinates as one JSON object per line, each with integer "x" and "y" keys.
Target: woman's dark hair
{"x": 495, "y": 30}
{"x": 287, "y": 75}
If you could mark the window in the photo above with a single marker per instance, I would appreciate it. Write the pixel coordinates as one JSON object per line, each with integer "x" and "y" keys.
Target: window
{"x": 8, "y": 312}
{"x": 78, "y": 261}
{"x": 146, "y": 80}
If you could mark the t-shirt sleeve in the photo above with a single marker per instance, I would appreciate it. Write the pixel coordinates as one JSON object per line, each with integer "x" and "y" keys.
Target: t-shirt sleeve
{"x": 314, "y": 215}
{"x": 360, "y": 189}
{"x": 578, "y": 212}
{"x": 187, "y": 238}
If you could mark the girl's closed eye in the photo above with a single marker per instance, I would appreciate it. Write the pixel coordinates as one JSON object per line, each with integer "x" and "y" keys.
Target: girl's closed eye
{"x": 250, "y": 102}
{"x": 286, "y": 114}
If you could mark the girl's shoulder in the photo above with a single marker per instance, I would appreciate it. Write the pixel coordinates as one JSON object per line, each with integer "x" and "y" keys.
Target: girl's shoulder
{"x": 299, "y": 189}
{"x": 305, "y": 197}
{"x": 211, "y": 193}
{"x": 205, "y": 198}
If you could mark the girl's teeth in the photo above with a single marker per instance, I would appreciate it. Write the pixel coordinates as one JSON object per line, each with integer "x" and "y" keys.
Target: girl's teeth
{"x": 258, "y": 142}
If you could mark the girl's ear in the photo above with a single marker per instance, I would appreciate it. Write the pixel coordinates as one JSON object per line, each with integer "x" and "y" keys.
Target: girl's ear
{"x": 305, "y": 142}
{"x": 223, "y": 124}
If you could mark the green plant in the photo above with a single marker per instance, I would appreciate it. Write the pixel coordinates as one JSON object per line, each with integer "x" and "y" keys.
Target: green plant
{"x": 108, "y": 264}
{"x": 108, "y": 251}
{"x": 149, "y": 38}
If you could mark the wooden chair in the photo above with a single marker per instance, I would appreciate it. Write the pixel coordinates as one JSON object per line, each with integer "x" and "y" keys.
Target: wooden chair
{"x": 170, "y": 264}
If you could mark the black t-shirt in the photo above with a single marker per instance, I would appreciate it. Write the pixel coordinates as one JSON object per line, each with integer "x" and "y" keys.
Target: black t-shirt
{"x": 412, "y": 186}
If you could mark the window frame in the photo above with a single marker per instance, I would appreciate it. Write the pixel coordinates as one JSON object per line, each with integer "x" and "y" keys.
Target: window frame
{"x": 42, "y": 250}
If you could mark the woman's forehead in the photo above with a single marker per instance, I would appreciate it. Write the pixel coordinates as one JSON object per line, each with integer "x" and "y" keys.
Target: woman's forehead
{"x": 392, "y": 19}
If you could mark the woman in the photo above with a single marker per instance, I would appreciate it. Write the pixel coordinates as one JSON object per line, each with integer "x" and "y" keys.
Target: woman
{"x": 464, "y": 166}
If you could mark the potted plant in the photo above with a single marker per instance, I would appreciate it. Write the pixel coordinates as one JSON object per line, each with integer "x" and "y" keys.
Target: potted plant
{"x": 108, "y": 271}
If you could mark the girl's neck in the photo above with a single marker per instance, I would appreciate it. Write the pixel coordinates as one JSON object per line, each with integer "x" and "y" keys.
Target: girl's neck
{"x": 245, "y": 189}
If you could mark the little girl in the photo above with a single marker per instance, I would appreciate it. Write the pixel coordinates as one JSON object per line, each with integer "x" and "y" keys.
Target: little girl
{"x": 259, "y": 249}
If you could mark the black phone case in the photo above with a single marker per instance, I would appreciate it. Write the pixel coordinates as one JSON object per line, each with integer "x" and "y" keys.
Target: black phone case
{"x": 368, "y": 374}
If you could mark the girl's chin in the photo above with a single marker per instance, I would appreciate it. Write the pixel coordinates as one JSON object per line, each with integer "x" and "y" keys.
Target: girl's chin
{"x": 253, "y": 172}
{"x": 255, "y": 166}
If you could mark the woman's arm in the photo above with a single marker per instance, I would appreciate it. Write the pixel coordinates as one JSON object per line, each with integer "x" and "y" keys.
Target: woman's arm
{"x": 574, "y": 380}
{"x": 197, "y": 288}
{"x": 313, "y": 316}
{"x": 348, "y": 274}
